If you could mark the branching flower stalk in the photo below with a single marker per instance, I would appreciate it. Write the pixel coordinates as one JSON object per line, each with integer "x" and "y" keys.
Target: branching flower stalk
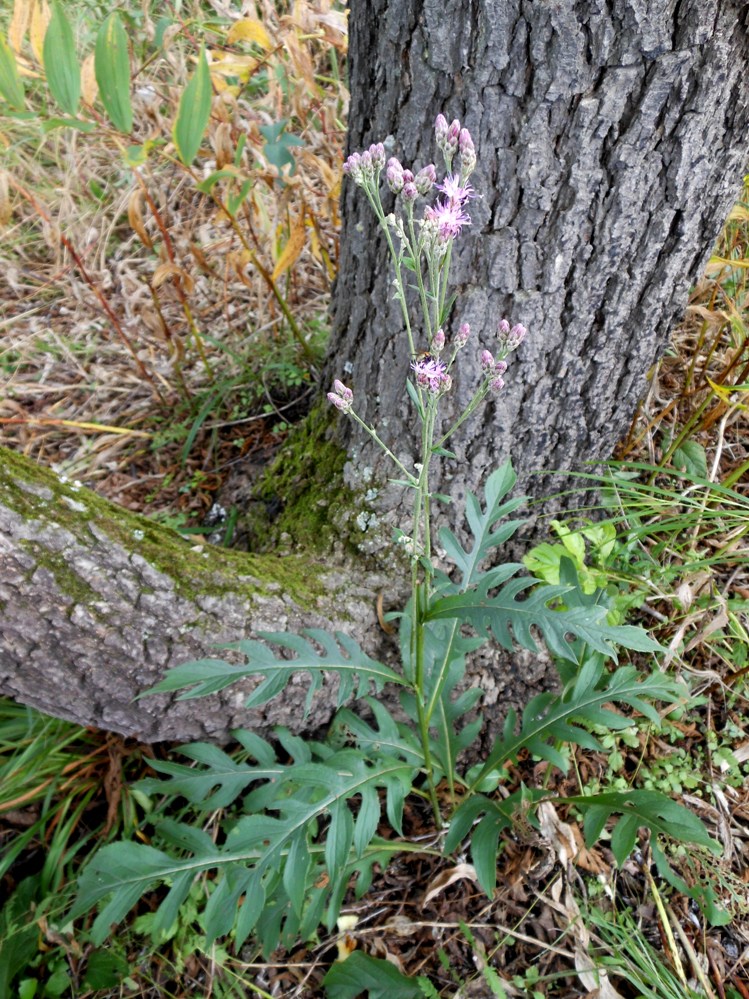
{"x": 420, "y": 243}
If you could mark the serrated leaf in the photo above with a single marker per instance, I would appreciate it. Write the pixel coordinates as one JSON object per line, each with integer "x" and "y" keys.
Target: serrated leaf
{"x": 507, "y": 617}
{"x": 11, "y": 85}
{"x": 194, "y": 112}
{"x": 549, "y": 718}
{"x": 362, "y": 973}
{"x": 340, "y": 655}
{"x": 311, "y": 798}
{"x": 640, "y": 809}
{"x": 61, "y": 62}
{"x": 112, "y": 69}
{"x": 481, "y": 523}
{"x": 215, "y": 784}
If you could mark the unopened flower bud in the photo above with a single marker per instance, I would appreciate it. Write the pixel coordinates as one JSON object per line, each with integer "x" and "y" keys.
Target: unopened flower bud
{"x": 342, "y": 397}
{"x": 487, "y": 361}
{"x": 410, "y": 193}
{"x": 425, "y": 179}
{"x": 377, "y": 152}
{"x": 453, "y": 135}
{"x": 461, "y": 337}
{"x": 342, "y": 390}
{"x": 517, "y": 334}
{"x": 366, "y": 163}
{"x": 496, "y": 384}
{"x": 503, "y": 328}
{"x": 467, "y": 154}
{"x": 438, "y": 342}
{"x": 500, "y": 367}
{"x": 394, "y": 175}
{"x": 353, "y": 168}
{"x": 440, "y": 130}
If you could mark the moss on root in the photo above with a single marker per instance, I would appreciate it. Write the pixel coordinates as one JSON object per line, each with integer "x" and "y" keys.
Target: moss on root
{"x": 37, "y": 494}
{"x": 303, "y": 488}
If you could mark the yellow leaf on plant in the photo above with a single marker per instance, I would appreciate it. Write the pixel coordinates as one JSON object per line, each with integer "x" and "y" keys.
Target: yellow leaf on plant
{"x": 249, "y": 30}
{"x": 40, "y": 18}
{"x": 89, "y": 86}
{"x": 292, "y": 250}
{"x": 19, "y": 22}
{"x": 232, "y": 65}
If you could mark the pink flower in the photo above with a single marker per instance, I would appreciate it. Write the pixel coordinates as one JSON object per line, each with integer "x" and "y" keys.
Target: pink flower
{"x": 454, "y": 190}
{"x": 431, "y": 374}
{"x": 449, "y": 218}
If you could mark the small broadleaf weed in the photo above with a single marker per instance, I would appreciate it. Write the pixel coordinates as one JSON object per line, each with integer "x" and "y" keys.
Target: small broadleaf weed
{"x": 304, "y": 818}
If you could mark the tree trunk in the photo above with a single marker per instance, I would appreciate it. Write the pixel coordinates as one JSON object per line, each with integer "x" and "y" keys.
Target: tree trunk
{"x": 610, "y": 139}
{"x": 610, "y": 142}
{"x": 96, "y": 602}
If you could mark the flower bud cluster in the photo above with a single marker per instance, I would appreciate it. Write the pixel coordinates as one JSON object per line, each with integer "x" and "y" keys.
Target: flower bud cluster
{"x": 451, "y": 139}
{"x": 509, "y": 338}
{"x": 493, "y": 369}
{"x": 341, "y": 396}
{"x": 364, "y": 168}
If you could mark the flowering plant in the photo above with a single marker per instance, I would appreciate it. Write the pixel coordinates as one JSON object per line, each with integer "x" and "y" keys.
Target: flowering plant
{"x": 313, "y": 819}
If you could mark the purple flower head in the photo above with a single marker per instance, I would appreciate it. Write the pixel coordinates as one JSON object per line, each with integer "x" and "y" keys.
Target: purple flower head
{"x": 496, "y": 384}
{"x": 438, "y": 342}
{"x": 487, "y": 361}
{"x": 503, "y": 328}
{"x": 366, "y": 162}
{"x": 431, "y": 374}
{"x": 461, "y": 337}
{"x": 455, "y": 190}
{"x": 425, "y": 179}
{"x": 500, "y": 367}
{"x": 394, "y": 175}
{"x": 449, "y": 218}
{"x": 518, "y": 334}
{"x": 342, "y": 397}
{"x": 453, "y": 136}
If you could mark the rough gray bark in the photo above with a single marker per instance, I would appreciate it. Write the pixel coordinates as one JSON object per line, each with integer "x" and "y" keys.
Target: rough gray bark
{"x": 95, "y": 603}
{"x": 611, "y": 143}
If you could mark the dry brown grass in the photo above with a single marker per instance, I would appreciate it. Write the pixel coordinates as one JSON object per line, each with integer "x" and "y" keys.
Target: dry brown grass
{"x": 130, "y": 297}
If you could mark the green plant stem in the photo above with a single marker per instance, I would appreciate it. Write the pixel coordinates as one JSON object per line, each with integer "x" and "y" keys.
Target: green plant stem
{"x": 412, "y": 480}
{"x": 478, "y": 398}
{"x": 416, "y": 257}
{"x": 374, "y": 200}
